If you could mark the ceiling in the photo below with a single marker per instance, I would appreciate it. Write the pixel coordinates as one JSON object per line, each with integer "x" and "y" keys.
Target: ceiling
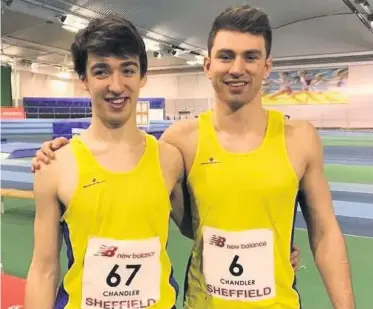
{"x": 32, "y": 31}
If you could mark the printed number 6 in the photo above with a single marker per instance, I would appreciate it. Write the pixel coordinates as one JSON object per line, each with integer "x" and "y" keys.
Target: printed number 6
{"x": 117, "y": 278}
{"x": 236, "y": 269}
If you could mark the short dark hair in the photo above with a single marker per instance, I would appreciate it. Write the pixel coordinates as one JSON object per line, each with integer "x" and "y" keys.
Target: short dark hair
{"x": 108, "y": 36}
{"x": 243, "y": 18}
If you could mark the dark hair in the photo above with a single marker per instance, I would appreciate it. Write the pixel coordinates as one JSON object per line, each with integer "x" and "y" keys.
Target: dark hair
{"x": 243, "y": 19}
{"x": 108, "y": 36}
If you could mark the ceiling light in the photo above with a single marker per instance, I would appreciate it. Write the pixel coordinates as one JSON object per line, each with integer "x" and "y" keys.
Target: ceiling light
{"x": 73, "y": 23}
{"x": 151, "y": 45}
{"x": 70, "y": 28}
{"x": 191, "y": 62}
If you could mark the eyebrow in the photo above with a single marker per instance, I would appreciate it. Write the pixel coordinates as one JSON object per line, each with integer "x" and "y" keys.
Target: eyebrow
{"x": 249, "y": 51}
{"x": 103, "y": 65}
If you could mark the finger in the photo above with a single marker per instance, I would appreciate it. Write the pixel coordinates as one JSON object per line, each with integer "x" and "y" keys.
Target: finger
{"x": 59, "y": 142}
{"x": 294, "y": 254}
{"x": 42, "y": 157}
{"x": 46, "y": 148}
{"x": 34, "y": 165}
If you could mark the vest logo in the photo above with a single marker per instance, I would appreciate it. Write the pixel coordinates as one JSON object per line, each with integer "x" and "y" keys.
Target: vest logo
{"x": 107, "y": 251}
{"x": 94, "y": 182}
{"x": 211, "y": 160}
{"x": 217, "y": 241}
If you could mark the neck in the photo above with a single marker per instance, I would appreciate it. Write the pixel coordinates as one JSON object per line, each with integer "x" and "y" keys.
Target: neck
{"x": 251, "y": 117}
{"x": 128, "y": 133}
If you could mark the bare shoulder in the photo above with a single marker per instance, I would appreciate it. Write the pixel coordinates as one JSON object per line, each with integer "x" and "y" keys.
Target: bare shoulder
{"x": 300, "y": 129}
{"x": 305, "y": 135}
{"x": 64, "y": 156}
{"x": 181, "y": 132}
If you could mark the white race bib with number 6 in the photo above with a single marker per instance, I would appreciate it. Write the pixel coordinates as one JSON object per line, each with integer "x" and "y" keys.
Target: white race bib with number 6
{"x": 121, "y": 274}
{"x": 239, "y": 265}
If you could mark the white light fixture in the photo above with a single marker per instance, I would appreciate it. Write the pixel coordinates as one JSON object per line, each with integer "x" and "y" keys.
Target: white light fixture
{"x": 70, "y": 28}
{"x": 151, "y": 45}
{"x": 74, "y": 24}
{"x": 191, "y": 62}
{"x": 5, "y": 59}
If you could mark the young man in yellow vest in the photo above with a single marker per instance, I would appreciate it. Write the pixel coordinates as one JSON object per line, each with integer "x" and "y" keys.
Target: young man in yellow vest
{"x": 245, "y": 167}
{"x": 107, "y": 192}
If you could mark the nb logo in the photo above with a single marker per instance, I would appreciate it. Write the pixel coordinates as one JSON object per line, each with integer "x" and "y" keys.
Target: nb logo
{"x": 107, "y": 251}
{"x": 217, "y": 241}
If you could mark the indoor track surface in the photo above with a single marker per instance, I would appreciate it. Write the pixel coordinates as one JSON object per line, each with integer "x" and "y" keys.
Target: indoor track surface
{"x": 349, "y": 169}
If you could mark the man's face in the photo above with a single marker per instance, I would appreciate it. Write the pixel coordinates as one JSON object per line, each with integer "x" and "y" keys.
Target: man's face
{"x": 114, "y": 85}
{"x": 237, "y": 66}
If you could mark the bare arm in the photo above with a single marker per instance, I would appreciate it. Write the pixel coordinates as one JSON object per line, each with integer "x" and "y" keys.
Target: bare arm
{"x": 44, "y": 272}
{"x": 326, "y": 239}
{"x": 180, "y": 199}
{"x": 181, "y": 212}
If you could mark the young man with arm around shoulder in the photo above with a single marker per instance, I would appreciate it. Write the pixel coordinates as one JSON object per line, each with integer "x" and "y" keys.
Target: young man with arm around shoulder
{"x": 107, "y": 193}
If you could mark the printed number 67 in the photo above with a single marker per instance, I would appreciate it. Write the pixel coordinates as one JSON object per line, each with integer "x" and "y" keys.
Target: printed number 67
{"x": 114, "y": 279}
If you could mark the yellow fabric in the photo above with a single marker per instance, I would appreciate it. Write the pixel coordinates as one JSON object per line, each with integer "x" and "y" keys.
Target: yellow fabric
{"x": 243, "y": 192}
{"x": 122, "y": 206}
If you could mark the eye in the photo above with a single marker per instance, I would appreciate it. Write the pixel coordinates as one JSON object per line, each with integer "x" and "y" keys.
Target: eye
{"x": 129, "y": 71}
{"x": 100, "y": 72}
{"x": 225, "y": 57}
{"x": 252, "y": 57}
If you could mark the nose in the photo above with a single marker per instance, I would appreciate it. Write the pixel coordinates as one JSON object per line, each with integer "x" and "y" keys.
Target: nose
{"x": 238, "y": 67}
{"x": 116, "y": 84}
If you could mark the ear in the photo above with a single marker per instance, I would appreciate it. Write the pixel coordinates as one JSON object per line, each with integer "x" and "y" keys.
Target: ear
{"x": 143, "y": 81}
{"x": 83, "y": 80}
{"x": 268, "y": 67}
{"x": 206, "y": 66}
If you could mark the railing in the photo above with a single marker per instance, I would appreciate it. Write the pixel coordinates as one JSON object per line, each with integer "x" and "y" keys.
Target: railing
{"x": 58, "y": 112}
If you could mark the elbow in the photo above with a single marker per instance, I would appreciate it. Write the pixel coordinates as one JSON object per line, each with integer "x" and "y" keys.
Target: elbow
{"x": 326, "y": 240}
{"x": 44, "y": 272}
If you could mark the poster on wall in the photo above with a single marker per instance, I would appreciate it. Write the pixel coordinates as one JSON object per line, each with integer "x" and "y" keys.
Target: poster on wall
{"x": 306, "y": 87}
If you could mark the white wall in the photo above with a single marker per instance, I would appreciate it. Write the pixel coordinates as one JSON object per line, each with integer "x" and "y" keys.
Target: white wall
{"x": 194, "y": 92}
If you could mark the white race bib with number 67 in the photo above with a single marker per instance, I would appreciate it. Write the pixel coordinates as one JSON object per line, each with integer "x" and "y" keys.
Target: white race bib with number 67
{"x": 239, "y": 265}
{"x": 121, "y": 274}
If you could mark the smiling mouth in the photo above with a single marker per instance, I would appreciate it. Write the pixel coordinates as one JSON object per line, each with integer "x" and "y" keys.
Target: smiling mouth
{"x": 116, "y": 102}
{"x": 236, "y": 84}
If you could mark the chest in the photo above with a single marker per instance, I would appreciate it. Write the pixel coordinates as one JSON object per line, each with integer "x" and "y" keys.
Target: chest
{"x": 92, "y": 193}
{"x": 293, "y": 151}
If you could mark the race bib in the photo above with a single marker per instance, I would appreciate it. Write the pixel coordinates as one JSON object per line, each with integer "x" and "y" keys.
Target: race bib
{"x": 239, "y": 265}
{"x": 121, "y": 274}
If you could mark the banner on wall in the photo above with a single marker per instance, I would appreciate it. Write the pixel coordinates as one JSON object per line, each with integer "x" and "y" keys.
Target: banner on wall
{"x": 306, "y": 87}
{"x": 12, "y": 113}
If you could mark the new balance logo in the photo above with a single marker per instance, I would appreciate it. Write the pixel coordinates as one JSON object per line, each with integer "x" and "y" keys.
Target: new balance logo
{"x": 94, "y": 182}
{"x": 107, "y": 251}
{"x": 211, "y": 160}
{"x": 217, "y": 241}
